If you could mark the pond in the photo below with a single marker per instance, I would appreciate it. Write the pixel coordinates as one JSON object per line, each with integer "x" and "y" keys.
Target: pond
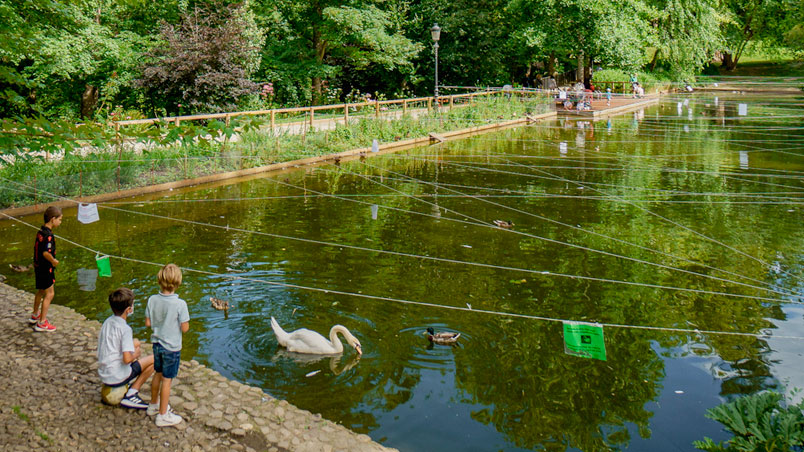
{"x": 673, "y": 226}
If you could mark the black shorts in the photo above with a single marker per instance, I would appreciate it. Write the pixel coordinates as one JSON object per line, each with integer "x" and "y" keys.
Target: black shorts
{"x": 136, "y": 370}
{"x": 45, "y": 277}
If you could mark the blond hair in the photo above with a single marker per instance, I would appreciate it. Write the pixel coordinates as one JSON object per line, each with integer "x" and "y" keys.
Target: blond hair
{"x": 169, "y": 277}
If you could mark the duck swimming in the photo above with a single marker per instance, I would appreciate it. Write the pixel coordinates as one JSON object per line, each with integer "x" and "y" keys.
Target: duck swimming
{"x": 220, "y": 305}
{"x": 20, "y": 268}
{"x": 307, "y": 341}
{"x": 442, "y": 338}
{"x": 504, "y": 224}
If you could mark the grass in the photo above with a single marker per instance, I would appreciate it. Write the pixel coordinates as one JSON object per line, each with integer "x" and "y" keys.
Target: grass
{"x": 35, "y": 180}
{"x": 18, "y": 411}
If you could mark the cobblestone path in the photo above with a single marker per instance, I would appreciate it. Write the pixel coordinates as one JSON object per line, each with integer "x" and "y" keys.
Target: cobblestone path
{"x": 50, "y": 399}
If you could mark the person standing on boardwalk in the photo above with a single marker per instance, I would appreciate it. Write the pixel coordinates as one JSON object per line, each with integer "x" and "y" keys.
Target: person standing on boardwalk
{"x": 120, "y": 358}
{"x": 45, "y": 264}
{"x": 168, "y": 317}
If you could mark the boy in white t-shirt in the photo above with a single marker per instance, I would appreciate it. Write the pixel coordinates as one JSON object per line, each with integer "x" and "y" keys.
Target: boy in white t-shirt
{"x": 119, "y": 354}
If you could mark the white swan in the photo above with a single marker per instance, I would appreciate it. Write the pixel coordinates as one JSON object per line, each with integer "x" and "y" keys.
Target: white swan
{"x": 307, "y": 341}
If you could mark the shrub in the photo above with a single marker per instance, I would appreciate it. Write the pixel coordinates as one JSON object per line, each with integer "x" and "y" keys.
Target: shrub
{"x": 759, "y": 422}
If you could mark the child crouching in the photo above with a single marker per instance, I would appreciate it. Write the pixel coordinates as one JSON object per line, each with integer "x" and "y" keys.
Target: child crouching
{"x": 120, "y": 359}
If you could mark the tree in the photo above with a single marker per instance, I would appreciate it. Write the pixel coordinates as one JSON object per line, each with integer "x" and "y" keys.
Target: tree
{"x": 204, "y": 62}
{"x": 314, "y": 39}
{"x": 25, "y": 25}
{"x": 748, "y": 20}
{"x": 687, "y": 33}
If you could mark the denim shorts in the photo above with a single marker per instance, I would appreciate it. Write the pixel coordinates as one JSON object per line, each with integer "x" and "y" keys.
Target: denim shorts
{"x": 136, "y": 370}
{"x": 166, "y": 362}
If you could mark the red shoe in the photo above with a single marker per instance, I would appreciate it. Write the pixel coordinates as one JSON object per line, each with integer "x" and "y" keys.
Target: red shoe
{"x": 44, "y": 327}
{"x": 34, "y": 319}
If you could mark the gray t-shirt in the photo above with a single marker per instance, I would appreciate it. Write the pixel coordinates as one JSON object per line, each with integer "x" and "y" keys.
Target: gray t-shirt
{"x": 167, "y": 313}
{"x": 114, "y": 339}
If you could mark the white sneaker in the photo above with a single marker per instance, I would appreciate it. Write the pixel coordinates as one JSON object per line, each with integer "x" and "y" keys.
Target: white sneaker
{"x": 153, "y": 409}
{"x": 167, "y": 419}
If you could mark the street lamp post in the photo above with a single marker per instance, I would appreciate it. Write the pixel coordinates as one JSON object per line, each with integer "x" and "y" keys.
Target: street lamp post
{"x": 436, "y": 34}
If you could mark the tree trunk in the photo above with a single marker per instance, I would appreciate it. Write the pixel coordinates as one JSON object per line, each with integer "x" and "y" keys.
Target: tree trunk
{"x": 579, "y": 71}
{"x": 88, "y": 101}
{"x": 728, "y": 61}
{"x": 587, "y": 71}
{"x": 551, "y": 65}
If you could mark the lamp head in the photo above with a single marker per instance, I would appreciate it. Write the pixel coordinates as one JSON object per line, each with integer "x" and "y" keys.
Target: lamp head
{"x": 435, "y": 32}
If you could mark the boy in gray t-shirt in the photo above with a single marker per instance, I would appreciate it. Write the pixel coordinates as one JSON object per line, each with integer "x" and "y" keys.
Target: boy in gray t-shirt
{"x": 168, "y": 317}
{"x": 120, "y": 359}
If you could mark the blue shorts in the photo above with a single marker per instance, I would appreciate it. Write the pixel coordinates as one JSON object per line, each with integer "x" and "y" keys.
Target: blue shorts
{"x": 166, "y": 362}
{"x": 136, "y": 370}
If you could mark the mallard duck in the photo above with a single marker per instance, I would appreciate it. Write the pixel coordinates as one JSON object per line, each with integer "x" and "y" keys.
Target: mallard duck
{"x": 504, "y": 224}
{"x": 220, "y": 305}
{"x": 310, "y": 342}
{"x": 442, "y": 338}
{"x": 20, "y": 268}
{"x": 2, "y": 278}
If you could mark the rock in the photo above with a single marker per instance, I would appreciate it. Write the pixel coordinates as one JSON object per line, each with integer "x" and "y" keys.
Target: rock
{"x": 113, "y": 396}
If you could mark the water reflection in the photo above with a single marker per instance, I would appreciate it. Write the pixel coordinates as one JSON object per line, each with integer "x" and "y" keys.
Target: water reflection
{"x": 508, "y": 384}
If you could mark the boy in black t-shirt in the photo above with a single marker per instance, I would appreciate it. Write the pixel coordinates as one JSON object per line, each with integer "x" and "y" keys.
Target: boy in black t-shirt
{"x": 45, "y": 269}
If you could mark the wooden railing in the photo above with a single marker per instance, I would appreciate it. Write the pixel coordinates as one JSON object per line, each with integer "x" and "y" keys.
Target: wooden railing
{"x": 309, "y": 112}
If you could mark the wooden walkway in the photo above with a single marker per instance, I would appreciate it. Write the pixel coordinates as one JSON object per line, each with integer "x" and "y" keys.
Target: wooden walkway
{"x": 618, "y": 105}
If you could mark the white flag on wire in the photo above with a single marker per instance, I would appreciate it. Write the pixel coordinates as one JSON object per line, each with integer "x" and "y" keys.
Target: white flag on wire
{"x": 88, "y": 213}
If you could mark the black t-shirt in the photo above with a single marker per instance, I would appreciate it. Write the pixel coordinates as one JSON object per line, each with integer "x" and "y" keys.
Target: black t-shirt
{"x": 45, "y": 241}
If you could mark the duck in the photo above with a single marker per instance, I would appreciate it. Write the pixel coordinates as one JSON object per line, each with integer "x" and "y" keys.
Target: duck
{"x": 20, "y": 268}
{"x": 443, "y": 337}
{"x": 2, "y": 278}
{"x": 220, "y": 305}
{"x": 310, "y": 342}
{"x": 504, "y": 224}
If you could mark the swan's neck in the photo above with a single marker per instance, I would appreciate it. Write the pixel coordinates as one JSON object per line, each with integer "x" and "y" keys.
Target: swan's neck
{"x": 333, "y": 337}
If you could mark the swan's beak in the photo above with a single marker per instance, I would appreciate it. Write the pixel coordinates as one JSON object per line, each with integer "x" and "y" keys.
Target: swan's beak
{"x": 359, "y": 349}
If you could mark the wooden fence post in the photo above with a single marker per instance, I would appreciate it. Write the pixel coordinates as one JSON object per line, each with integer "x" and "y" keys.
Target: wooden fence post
{"x": 377, "y": 109}
{"x": 451, "y": 101}
{"x": 311, "y": 117}
{"x": 404, "y": 107}
{"x": 346, "y": 114}
{"x": 429, "y": 103}
{"x": 273, "y": 122}
{"x": 119, "y": 152}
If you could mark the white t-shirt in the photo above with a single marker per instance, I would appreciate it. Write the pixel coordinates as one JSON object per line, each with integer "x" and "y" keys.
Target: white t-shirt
{"x": 115, "y": 338}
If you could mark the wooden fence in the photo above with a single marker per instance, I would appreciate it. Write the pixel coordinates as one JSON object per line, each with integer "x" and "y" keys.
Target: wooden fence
{"x": 309, "y": 113}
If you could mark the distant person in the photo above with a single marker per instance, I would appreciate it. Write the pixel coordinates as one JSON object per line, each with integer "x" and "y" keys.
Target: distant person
{"x": 168, "y": 317}
{"x": 608, "y": 97}
{"x": 120, "y": 358}
{"x": 45, "y": 264}
{"x": 634, "y": 78}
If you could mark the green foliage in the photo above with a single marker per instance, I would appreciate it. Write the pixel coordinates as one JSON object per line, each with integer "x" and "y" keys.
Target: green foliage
{"x": 759, "y": 422}
{"x": 204, "y": 63}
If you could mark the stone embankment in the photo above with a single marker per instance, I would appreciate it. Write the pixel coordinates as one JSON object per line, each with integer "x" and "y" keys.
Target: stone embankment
{"x": 50, "y": 399}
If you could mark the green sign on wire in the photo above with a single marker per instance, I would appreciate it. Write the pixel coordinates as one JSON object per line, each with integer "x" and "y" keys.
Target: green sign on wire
{"x": 584, "y": 340}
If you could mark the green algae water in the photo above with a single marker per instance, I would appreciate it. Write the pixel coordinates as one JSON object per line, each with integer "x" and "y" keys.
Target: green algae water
{"x": 685, "y": 217}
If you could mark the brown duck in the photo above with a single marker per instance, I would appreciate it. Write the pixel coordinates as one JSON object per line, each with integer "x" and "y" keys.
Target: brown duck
{"x": 20, "y": 268}
{"x": 220, "y": 305}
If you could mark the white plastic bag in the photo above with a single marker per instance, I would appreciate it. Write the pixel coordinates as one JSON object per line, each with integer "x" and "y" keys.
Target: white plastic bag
{"x": 88, "y": 213}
